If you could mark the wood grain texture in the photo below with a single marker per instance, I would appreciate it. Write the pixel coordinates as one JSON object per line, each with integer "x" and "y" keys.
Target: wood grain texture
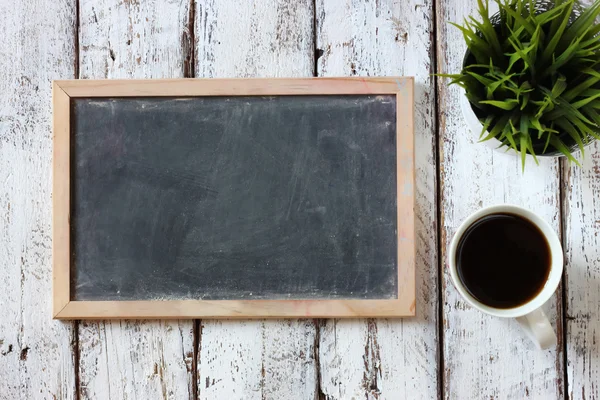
{"x": 582, "y": 273}
{"x": 237, "y": 309}
{"x": 255, "y": 359}
{"x": 271, "y": 38}
{"x": 387, "y": 359}
{"x": 581, "y": 223}
{"x": 484, "y": 356}
{"x": 61, "y": 252}
{"x": 133, "y": 39}
{"x": 36, "y": 353}
{"x": 134, "y": 358}
{"x": 236, "y": 86}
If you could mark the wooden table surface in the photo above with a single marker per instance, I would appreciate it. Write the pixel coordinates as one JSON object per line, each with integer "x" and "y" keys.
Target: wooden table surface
{"x": 448, "y": 351}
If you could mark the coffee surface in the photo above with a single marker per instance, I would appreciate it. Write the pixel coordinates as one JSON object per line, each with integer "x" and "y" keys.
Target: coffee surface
{"x": 503, "y": 260}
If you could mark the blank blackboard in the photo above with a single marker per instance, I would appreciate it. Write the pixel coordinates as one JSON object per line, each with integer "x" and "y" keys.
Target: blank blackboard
{"x": 222, "y": 199}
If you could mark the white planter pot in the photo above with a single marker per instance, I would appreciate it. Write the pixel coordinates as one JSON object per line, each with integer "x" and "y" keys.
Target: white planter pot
{"x": 474, "y": 124}
{"x": 476, "y": 127}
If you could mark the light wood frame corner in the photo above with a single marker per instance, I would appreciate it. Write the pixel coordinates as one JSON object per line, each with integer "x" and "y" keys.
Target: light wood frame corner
{"x": 62, "y": 93}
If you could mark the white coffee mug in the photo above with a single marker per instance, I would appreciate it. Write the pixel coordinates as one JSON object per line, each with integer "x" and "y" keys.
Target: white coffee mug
{"x": 530, "y": 315}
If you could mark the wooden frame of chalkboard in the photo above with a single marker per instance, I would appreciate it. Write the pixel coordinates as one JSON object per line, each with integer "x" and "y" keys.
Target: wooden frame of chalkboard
{"x": 66, "y": 308}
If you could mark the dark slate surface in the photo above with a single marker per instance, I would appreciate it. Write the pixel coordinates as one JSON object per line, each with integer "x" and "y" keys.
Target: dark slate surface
{"x": 231, "y": 198}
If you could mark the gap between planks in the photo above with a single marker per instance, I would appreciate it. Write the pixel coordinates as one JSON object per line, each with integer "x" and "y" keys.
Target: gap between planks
{"x": 562, "y": 337}
{"x": 75, "y": 346}
{"x": 438, "y": 202}
{"x": 317, "y": 322}
{"x": 189, "y": 71}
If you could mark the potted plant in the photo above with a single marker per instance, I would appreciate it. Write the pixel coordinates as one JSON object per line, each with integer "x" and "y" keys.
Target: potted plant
{"x": 531, "y": 75}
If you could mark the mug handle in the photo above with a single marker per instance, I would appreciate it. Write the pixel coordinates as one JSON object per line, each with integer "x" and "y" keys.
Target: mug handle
{"x": 538, "y": 328}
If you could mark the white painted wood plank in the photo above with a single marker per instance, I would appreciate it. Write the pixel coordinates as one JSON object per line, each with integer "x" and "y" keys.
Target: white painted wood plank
{"x": 387, "y": 359}
{"x": 134, "y": 359}
{"x": 36, "y": 353}
{"x": 487, "y": 357}
{"x": 271, "y": 38}
{"x": 582, "y": 269}
{"x": 132, "y": 39}
{"x": 255, "y": 359}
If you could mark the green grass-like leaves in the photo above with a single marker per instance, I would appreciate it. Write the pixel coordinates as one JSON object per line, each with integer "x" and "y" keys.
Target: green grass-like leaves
{"x": 532, "y": 74}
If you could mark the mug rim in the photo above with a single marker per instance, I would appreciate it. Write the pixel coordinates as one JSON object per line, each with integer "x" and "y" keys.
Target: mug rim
{"x": 556, "y": 265}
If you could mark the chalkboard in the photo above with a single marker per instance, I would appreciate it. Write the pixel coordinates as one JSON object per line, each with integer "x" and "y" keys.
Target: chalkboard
{"x": 235, "y": 198}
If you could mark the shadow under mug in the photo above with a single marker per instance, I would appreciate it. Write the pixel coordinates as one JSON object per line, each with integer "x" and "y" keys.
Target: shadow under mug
{"x": 530, "y": 315}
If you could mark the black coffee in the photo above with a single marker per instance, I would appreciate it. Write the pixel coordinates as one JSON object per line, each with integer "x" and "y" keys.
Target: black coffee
{"x": 503, "y": 260}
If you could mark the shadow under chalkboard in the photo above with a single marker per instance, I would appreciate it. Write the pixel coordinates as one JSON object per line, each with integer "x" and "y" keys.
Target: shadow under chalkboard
{"x": 281, "y": 197}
